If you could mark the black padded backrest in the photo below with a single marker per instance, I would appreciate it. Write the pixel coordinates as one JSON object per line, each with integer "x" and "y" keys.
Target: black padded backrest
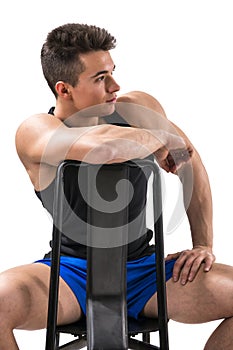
{"x": 106, "y": 256}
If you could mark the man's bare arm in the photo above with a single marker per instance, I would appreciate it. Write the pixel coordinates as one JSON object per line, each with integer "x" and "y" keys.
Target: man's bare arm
{"x": 192, "y": 174}
{"x": 42, "y": 139}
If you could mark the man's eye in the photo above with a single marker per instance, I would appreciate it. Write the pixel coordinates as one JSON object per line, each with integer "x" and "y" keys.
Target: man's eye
{"x": 101, "y": 78}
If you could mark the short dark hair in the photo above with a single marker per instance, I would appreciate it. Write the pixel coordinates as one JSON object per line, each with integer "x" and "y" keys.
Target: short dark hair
{"x": 60, "y": 52}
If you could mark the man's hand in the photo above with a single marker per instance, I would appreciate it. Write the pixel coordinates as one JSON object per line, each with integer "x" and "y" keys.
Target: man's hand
{"x": 189, "y": 262}
{"x": 174, "y": 152}
{"x": 172, "y": 160}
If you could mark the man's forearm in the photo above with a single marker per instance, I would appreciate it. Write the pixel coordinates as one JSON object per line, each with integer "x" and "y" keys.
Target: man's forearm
{"x": 198, "y": 202}
{"x": 104, "y": 144}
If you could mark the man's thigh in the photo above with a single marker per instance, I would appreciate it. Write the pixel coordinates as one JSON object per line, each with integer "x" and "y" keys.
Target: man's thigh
{"x": 208, "y": 297}
{"x": 25, "y": 291}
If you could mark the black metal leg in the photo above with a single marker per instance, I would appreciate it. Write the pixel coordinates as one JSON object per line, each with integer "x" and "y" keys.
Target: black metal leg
{"x": 160, "y": 263}
{"x": 51, "y": 340}
{"x": 146, "y": 337}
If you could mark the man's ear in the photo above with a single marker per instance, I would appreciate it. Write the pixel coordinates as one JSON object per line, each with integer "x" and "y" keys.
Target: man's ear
{"x": 62, "y": 89}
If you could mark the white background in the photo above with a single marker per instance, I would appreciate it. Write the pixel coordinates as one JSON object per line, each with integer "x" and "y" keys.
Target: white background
{"x": 180, "y": 51}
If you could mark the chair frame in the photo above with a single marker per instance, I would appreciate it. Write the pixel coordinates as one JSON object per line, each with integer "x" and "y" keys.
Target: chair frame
{"x": 82, "y": 330}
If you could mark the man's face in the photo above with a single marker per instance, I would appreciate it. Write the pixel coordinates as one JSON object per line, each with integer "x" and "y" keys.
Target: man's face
{"x": 96, "y": 84}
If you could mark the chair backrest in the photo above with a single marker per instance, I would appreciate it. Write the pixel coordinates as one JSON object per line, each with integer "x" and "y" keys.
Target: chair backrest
{"x": 106, "y": 291}
{"x": 106, "y": 256}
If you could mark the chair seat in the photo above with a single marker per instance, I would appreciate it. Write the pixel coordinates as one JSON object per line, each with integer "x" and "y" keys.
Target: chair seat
{"x": 134, "y": 326}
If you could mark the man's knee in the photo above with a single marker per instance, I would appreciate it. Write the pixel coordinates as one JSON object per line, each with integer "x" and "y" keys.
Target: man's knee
{"x": 15, "y": 299}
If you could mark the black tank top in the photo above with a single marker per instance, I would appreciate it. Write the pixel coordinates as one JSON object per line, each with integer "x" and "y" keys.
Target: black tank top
{"x": 75, "y": 214}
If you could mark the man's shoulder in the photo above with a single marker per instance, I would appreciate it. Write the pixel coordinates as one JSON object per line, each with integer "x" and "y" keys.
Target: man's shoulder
{"x": 36, "y": 120}
{"x": 37, "y": 117}
{"x": 32, "y": 129}
{"x": 143, "y": 99}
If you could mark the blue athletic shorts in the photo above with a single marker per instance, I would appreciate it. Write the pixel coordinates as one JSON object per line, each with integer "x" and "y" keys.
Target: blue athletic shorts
{"x": 141, "y": 280}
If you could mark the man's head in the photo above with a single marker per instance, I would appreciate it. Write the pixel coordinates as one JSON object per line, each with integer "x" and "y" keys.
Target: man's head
{"x": 60, "y": 54}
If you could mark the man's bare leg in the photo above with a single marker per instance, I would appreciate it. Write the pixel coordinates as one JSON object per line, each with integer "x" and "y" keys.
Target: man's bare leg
{"x": 222, "y": 337}
{"x": 209, "y": 297}
{"x": 24, "y": 302}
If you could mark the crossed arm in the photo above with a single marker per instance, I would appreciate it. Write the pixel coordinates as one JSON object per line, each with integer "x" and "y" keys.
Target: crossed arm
{"x": 43, "y": 141}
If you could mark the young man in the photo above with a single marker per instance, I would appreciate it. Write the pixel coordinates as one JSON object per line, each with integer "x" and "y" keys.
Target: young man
{"x": 79, "y": 70}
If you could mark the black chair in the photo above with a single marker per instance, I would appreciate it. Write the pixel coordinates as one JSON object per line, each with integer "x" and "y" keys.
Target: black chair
{"x": 106, "y": 325}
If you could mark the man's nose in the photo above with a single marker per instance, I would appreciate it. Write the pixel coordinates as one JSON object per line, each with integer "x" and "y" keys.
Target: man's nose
{"x": 111, "y": 85}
